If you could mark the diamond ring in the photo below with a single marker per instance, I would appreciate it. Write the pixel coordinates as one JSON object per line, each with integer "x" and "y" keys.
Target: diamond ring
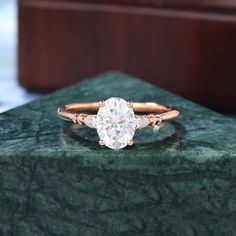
{"x": 116, "y": 119}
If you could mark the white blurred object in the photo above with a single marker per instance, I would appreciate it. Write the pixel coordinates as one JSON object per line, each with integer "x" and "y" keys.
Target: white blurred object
{"x": 11, "y": 94}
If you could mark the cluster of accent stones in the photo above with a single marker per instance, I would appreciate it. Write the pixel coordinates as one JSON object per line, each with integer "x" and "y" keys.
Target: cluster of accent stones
{"x": 78, "y": 118}
{"x": 116, "y": 123}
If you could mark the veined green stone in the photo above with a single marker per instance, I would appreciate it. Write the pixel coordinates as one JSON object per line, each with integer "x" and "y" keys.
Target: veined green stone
{"x": 57, "y": 180}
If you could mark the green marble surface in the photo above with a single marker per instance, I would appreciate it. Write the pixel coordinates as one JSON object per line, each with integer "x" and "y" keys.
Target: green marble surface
{"x": 56, "y": 180}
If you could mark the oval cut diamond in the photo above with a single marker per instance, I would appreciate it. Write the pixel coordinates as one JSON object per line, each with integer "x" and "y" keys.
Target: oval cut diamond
{"x": 116, "y": 123}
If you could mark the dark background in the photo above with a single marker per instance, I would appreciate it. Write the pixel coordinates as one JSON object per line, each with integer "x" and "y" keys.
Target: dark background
{"x": 187, "y": 47}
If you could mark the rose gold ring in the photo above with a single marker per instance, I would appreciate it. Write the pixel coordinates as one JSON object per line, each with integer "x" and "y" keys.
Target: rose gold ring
{"x": 116, "y": 119}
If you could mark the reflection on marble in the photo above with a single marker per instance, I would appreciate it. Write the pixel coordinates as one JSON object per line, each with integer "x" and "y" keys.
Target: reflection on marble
{"x": 168, "y": 136}
{"x": 179, "y": 181}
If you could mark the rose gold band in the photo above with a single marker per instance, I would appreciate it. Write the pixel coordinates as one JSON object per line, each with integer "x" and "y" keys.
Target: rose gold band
{"x": 76, "y": 112}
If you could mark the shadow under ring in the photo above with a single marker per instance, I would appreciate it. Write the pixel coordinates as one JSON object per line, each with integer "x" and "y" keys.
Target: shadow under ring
{"x": 88, "y": 137}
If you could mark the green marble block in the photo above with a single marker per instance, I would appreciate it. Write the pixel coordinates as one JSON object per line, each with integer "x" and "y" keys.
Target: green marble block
{"x": 56, "y": 180}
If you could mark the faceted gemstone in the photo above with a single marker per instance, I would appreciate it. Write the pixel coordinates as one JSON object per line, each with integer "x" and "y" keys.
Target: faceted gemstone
{"x": 90, "y": 121}
{"x": 142, "y": 122}
{"x": 116, "y": 123}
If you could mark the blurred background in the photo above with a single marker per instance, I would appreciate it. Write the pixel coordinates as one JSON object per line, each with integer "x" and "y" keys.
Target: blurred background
{"x": 11, "y": 94}
{"x": 185, "y": 46}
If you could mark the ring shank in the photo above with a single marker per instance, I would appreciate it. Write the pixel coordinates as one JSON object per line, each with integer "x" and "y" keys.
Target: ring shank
{"x": 166, "y": 113}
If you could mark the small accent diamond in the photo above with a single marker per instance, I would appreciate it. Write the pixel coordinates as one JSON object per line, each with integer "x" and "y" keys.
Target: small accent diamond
{"x": 90, "y": 121}
{"x": 142, "y": 121}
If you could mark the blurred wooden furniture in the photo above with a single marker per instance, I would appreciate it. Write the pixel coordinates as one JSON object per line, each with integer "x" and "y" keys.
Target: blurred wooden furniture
{"x": 186, "y": 46}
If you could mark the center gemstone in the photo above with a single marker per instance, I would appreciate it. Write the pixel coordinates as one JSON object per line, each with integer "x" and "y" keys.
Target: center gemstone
{"x": 116, "y": 123}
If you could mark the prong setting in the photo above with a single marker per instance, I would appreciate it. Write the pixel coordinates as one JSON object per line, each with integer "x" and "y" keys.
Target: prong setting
{"x": 101, "y": 103}
{"x": 101, "y": 142}
{"x": 130, "y": 104}
{"x": 130, "y": 142}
